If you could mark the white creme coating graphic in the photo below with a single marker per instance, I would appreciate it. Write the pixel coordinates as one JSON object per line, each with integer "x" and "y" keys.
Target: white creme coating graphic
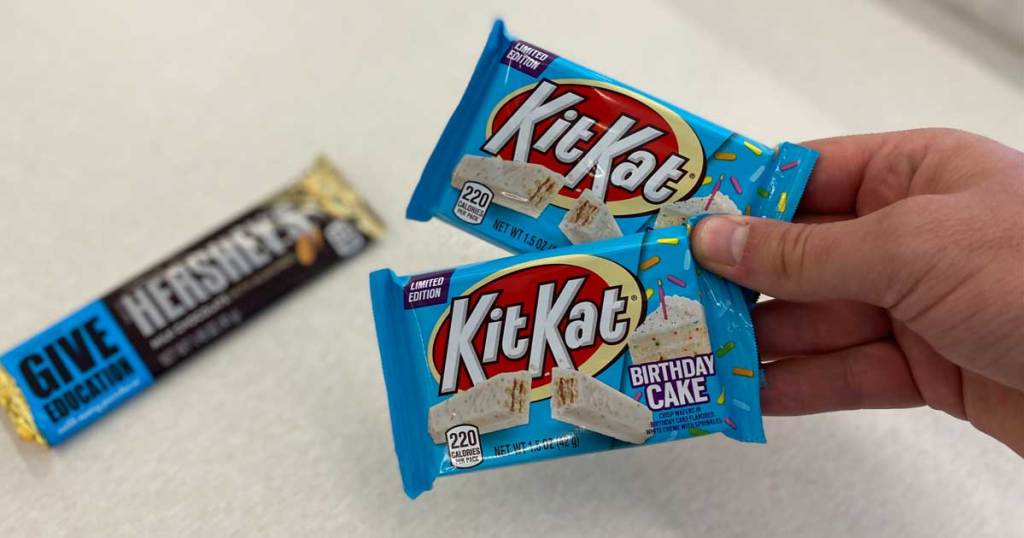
{"x": 583, "y": 401}
{"x": 501, "y": 402}
{"x": 523, "y": 187}
{"x": 589, "y": 220}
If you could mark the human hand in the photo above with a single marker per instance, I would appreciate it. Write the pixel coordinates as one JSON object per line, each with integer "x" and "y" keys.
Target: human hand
{"x": 901, "y": 284}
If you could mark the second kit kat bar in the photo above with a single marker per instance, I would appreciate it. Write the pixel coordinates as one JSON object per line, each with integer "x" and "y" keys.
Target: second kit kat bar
{"x": 542, "y": 152}
{"x": 66, "y": 377}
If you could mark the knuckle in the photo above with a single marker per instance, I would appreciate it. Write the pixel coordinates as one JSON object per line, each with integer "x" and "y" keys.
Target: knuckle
{"x": 930, "y": 137}
{"x": 893, "y": 241}
{"x": 794, "y": 241}
{"x": 890, "y": 173}
{"x": 851, "y": 382}
{"x": 936, "y": 133}
{"x": 911, "y": 238}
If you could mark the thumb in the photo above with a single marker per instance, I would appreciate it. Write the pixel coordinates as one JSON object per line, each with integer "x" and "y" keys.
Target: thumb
{"x": 852, "y": 259}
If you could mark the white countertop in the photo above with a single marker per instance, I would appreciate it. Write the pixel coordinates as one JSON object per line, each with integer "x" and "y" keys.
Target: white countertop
{"x": 128, "y": 129}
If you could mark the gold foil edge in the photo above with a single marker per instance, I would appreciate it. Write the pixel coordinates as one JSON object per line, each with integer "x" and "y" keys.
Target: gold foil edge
{"x": 13, "y": 401}
{"x": 327, "y": 187}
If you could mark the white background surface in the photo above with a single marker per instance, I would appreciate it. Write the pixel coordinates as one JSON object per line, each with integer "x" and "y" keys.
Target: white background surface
{"x": 127, "y": 129}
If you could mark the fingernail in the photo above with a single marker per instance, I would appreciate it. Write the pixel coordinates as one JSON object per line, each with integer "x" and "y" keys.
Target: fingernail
{"x": 721, "y": 240}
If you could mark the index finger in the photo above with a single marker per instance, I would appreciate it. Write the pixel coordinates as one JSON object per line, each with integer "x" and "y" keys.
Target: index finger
{"x": 839, "y": 173}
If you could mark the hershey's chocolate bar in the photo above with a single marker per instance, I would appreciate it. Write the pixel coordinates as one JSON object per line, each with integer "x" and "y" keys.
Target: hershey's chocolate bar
{"x": 77, "y": 370}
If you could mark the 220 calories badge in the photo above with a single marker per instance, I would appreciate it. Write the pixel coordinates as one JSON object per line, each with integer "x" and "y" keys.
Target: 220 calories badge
{"x": 474, "y": 199}
{"x": 464, "y": 446}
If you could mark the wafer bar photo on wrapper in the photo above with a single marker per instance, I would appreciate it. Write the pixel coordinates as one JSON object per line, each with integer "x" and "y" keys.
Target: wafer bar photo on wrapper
{"x": 501, "y": 402}
{"x": 589, "y": 220}
{"x": 583, "y": 401}
{"x": 72, "y": 373}
{"x": 523, "y": 187}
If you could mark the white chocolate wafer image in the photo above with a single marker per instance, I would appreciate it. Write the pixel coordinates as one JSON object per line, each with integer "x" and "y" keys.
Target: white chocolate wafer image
{"x": 502, "y": 401}
{"x": 677, "y": 213}
{"x": 589, "y": 220}
{"x": 524, "y": 187}
{"x": 683, "y": 334}
{"x": 583, "y": 401}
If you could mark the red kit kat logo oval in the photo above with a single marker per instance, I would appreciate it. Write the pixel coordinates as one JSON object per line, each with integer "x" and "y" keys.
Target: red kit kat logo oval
{"x": 630, "y": 150}
{"x": 573, "y": 311}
